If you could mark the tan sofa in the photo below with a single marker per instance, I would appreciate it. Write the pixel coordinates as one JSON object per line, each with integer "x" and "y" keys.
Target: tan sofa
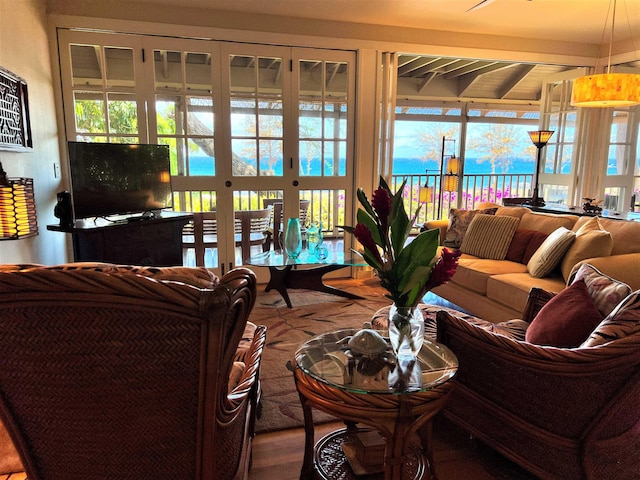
{"x": 498, "y": 289}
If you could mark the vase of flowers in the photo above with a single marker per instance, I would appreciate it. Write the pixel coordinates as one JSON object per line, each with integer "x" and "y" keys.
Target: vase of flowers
{"x": 406, "y": 269}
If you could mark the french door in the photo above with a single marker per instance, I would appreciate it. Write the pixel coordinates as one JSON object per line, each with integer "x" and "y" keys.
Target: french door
{"x": 244, "y": 122}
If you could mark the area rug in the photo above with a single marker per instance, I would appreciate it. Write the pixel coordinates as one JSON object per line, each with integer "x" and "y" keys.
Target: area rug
{"x": 313, "y": 313}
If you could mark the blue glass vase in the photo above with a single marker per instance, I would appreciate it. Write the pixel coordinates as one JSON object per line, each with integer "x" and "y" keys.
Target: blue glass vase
{"x": 293, "y": 238}
{"x": 314, "y": 237}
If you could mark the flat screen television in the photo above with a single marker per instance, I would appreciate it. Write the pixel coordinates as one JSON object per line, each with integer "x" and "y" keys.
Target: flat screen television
{"x": 115, "y": 178}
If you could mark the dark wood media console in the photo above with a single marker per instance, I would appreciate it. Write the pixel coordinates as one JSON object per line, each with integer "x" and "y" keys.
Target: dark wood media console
{"x": 154, "y": 242}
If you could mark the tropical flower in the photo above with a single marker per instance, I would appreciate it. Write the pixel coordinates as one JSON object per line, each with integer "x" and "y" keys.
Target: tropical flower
{"x": 407, "y": 269}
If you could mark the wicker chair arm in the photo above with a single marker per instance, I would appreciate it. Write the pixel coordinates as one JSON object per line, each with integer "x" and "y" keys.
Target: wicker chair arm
{"x": 252, "y": 367}
{"x": 541, "y": 384}
{"x": 536, "y": 300}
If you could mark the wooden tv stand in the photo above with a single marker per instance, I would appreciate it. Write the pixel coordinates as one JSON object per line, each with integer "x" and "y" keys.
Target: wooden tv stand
{"x": 154, "y": 242}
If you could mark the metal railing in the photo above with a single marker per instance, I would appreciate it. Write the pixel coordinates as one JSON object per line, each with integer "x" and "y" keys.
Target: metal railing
{"x": 475, "y": 189}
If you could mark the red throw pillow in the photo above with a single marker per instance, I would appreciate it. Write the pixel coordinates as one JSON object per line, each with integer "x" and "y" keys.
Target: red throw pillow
{"x": 536, "y": 240}
{"x": 567, "y": 320}
{"x": 518, "y": 245}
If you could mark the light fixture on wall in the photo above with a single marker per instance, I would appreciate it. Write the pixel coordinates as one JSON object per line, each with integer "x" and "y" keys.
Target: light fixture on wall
{"x": 607, "y": 89}
{"x": 17, "y": 207}
{"x": 539, "y": 138}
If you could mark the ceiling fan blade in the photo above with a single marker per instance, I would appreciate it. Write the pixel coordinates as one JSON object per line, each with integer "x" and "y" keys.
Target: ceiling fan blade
{"x": 483, "y": 3}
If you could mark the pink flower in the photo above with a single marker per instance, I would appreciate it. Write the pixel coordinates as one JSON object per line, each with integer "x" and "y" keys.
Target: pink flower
{"x": 363, "y": 235}
{"x": 381, "y": 203}
{"x": 444, "y": 268}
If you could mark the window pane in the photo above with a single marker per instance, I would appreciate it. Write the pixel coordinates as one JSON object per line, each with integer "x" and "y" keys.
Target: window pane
{"x": 90, "y": 112}
{"x": 123, "y": 113}
{"x": 85, "y": 65}
{"x": 119, "y": 64}
{"x": 198, "y": 72}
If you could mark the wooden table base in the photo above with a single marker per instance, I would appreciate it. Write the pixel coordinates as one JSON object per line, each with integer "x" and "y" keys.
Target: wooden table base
{"x": 282, "y": 278}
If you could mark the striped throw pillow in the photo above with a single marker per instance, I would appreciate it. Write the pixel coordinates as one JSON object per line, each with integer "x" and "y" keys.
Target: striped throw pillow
{"x": 550, "y": 253}
{"x": 623, "y": 321}
{"x": 489, "y": 236}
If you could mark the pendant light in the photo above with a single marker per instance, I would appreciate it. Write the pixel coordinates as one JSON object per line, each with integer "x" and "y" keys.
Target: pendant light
{"x": 607, "y": 89}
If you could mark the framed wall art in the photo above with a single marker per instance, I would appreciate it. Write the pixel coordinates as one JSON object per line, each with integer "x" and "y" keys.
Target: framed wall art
{"x": 15, "y": 123}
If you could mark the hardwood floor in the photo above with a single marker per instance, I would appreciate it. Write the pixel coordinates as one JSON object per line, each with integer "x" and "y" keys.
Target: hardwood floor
{"x": 456, "y": 455}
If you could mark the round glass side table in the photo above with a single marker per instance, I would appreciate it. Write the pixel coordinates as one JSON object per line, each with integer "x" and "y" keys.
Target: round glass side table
{"x": 397, "y": 398}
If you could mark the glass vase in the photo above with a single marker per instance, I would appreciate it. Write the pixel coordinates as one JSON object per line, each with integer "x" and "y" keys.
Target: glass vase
{"x": 406, "y": 330}
{"x": 314, "y": 237}
{"x": 293, "y": 238}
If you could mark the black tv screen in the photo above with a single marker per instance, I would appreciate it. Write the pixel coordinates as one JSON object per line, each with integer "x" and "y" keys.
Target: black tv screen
{"x": 116, "y": 178}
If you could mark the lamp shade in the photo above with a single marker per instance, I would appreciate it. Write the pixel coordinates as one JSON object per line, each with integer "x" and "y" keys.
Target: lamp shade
{"x": 453, "y": 165}
{"x": 606, "y": 90}
{"x": 426, "y": 194}
{"x": 450, "y": 182}
{"x": 17, "y": 209}
{"x": 540, "y": 137}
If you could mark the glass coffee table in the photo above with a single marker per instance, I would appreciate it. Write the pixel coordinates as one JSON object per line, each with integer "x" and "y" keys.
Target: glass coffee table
{"x": 285, "y": 274}
{"x": 394, "y": 399}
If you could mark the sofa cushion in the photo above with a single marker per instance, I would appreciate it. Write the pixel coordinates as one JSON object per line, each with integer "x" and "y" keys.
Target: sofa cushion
{"x": 524, "y": 244}
{"x": 512, "y": 289}
{"x": 537, "y": 239}
{"x": 605, "y": 291}
{"x": 489, "y": 236}
{"x": 591, "y": 241}
{"x": 566, "y": 320}
{"x": 473, "y": 273}
{"x": 547, "y": 222}
{"x": 459, "y": 221}
{"x": 621, "y": 231}
{"x": 550, "y": 253}
{"x": 513, "y": 211}
{"x": 623, "y": 321}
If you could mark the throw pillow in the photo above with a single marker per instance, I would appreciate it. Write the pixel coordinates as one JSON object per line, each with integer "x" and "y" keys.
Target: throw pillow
{"x": 518, "y": 245}
{"x": 550, "y": 253}
{"x": 623, "y": 321}
{"x": 489, "y": 236}
{"x": 566, "y": 320}
{"x": 459, "y": 221}
{"x": 536, "y": 241}
{"x": 591, "y": 241}
{"x": 605, "y": 291}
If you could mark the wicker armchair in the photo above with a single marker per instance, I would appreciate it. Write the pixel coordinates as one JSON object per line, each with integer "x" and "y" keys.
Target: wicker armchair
{"x": 559, "y": 413}
{"x": 124, "y": 372}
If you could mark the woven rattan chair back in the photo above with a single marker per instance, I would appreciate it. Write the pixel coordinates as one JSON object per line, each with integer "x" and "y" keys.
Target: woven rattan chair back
{"x": 111, "y": 372}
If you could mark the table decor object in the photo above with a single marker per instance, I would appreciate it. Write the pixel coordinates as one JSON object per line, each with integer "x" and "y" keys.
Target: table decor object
{"x": 293, "y": 238}
{"x": 407, "y": 269}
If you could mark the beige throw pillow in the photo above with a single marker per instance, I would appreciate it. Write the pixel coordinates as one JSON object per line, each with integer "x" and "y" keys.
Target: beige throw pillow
{"x": 489, "y": 236}
{"x": 591, "y": 241}
{"x": 550, "y": 253}
{"x": 459, "y": 221}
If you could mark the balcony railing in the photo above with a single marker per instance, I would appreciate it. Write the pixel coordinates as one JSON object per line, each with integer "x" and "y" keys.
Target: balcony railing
{"x": 475, "y": 189}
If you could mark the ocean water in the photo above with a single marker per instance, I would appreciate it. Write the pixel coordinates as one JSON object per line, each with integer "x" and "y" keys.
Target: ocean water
{"x": 401, "y": 166}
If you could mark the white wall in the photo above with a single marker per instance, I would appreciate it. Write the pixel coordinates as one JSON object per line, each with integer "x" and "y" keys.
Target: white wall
{"x": 24, "y": 50}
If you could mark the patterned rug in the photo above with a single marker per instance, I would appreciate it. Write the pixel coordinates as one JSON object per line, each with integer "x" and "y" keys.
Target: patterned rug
{"x": 313, "y": 313}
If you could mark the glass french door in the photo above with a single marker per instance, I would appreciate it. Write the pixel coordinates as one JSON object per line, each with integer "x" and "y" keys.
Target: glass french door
{"x": 244, "y": 123}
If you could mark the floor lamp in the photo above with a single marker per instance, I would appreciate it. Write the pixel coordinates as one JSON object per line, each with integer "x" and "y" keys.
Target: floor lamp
{"x": 539, "y": 138}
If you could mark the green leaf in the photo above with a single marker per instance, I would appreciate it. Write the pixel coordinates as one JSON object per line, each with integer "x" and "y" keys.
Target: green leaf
{"x": 370, "y": 259}
{"x": 399, "y": 221}
{"x": 371, "y": 224}
{"x": 364, "y": 201}
{"x": 418, "y": 253}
